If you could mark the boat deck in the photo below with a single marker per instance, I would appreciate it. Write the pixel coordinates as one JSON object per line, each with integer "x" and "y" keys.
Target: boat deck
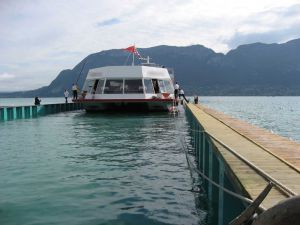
{"x": 277, "y": 156}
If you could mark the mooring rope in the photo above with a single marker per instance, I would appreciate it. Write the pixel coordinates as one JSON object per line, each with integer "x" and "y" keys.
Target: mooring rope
{"x": 194, "y": 168}
{"x": 79, "y": 75}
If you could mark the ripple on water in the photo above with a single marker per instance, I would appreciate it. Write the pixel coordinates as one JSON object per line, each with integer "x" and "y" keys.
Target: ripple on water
{"x": 279, "y": 114}
{"x": 95, "y": 169}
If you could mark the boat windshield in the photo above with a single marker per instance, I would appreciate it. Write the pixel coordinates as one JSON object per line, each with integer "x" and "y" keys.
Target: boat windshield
{"x": 113, "y": 86}
{"x": 168, "y": 86}
{"x": 165, "y": 86}
{"x": 161, "y": 86}
{"x": 133, "y": 86}
{"x": 99, "y": 88}
{"x": 148, "y": 86}
{"x": 88, "y": 86}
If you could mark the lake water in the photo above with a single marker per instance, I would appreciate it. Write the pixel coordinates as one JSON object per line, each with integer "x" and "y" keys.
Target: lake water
{"x": 29, "y": 101}
{"x": 78, "y": 168}
{"x": 280, "y": 115}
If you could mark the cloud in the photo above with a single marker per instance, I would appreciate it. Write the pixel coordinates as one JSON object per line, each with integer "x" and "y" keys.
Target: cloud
{"x": 109, "y": 22}
{"x": 276, "y": 25}
{"x": 6, "y": 76}
{"x": 16, "y": 82}
{"x": 6, "y": 80}
{"x": 273, "y": 36}
{"x": 40, "y": 38}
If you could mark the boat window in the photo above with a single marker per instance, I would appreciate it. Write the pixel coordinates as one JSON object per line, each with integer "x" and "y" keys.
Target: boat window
{"x": 161, "y": 86}
{"x": 155, "y": 85}
{"x": 99, "y": 89}
{"x": 88, "y": 85}
{"x": 113, "y": 86}
{"x": 148, "y": 86}
{"x": 168, "y": 86}
{"x": 133, "y": 86}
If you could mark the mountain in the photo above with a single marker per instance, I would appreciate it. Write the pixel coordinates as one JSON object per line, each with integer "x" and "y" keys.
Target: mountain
{"x": 252, "y": 69}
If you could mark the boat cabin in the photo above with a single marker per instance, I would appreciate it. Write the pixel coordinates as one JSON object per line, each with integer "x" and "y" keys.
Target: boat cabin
{"x": 128, "y": 82}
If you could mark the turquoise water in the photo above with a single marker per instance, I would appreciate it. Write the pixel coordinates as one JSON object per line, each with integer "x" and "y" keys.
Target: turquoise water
{"x": 29, "y": 101}
{"x": 276, "y": 114}
{"x": 78, "y": 168}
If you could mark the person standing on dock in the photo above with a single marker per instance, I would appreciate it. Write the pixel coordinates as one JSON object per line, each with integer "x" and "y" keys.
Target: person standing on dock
{"x": 181, "y": 94}
{"x": 196, "y": 99}
{"x": 66, "y": 94}
{"x": 176, "y": 90}
{"x": 37, "y": 101}
{"x": 75, "y": 91}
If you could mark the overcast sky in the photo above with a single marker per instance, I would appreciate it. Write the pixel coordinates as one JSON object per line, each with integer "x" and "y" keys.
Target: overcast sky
{"x": 39, "y": 38}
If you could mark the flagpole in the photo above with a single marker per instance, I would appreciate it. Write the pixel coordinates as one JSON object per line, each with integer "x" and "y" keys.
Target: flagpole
{"x": 133, "y": 59}
{"x": 133, "y": 55}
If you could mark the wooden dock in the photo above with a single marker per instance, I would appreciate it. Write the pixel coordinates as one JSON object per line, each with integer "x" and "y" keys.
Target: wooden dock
{"x": 276, "y": 156}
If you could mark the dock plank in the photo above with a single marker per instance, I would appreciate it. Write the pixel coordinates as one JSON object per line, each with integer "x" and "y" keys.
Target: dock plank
{"x": 275, "y": 155}
{"x": 280, "y": 146}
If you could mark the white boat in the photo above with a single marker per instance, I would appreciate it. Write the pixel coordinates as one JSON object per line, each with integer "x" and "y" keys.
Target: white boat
{"x": 145, "y": 87}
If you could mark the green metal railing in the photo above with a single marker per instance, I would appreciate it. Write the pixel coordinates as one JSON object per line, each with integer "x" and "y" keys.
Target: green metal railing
{"x": 33, "y": 111}
{"x": 225, "y": 197}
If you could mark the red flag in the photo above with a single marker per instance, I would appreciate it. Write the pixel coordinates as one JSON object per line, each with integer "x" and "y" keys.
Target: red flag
{"x": 133, "y": 50}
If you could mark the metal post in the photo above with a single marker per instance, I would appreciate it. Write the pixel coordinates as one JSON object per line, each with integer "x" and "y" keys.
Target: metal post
{"x": 221, "y": 193}
{"x": 196, "y": 140}
{"x": 203, "y": 151}
{"x": 34, "y": 111}
{"x": 30, "y": 110}
{"x": 56, "y": 108}
{"x": 193, "y": 132}
{"x": 133, "y": 59}
{"x": 27, "y": 111}
{"x": 1, "y": 114}
{"x": 5, "y": 114}
{"x": 10, "y": 113}
{"x": 23, "y": 112}
{"x": 19, "y": 112}
{"x": 52, "y": 108}
{"x": 14, "y": 112}
{"x": 200, "y": 151}
{"x": 41, "y": 110}
{"x": 210, "y": 170}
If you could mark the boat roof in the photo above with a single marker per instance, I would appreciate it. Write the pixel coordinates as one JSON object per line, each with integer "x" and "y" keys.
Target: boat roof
{"x": 128, "y": 72}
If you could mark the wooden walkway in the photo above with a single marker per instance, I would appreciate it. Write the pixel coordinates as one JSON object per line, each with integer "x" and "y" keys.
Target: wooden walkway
{"x": 277, "y": 156}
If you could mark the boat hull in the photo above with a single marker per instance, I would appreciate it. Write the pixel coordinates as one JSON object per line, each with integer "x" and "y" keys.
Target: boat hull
{"x": 135, "y": 105}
